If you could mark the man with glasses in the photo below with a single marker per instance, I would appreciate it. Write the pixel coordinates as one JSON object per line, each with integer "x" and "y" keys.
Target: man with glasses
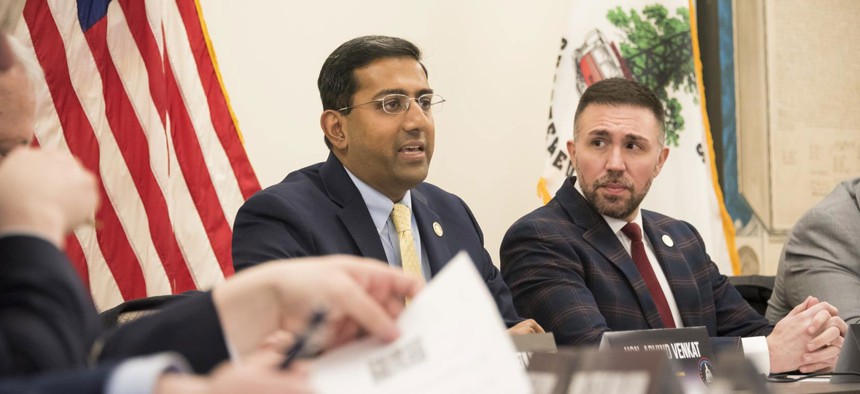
{"x": 369, "y": 197}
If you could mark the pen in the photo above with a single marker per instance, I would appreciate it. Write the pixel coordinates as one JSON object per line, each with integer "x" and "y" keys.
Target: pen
{"x": 298, "y": 348}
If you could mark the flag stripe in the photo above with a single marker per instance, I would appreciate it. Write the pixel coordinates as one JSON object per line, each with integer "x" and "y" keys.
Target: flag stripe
{"x": 49, "y": 48}
{"x": 151, "y": 55}
{"x": 203, "y": 192}
{"x": 225, "y": 126}
{"x": 193, "y": 238}
{"x": 214, "y": 188}
{"x": 194, "y": 94}
{"x": 133, "y": 146}
{"x": 103, "y": 286}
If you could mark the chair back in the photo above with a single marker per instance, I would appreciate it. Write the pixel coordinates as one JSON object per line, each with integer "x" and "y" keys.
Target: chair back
{"x": 755, "y": 289}
{"x": 135, "y": 309}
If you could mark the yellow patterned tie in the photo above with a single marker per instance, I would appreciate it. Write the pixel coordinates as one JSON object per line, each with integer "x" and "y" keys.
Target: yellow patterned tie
{"x": 402, "y": 218}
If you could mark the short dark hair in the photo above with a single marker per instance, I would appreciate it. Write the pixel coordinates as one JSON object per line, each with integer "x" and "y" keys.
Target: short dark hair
{"x": 620, "y": 91}
{"x": 337, "y": 82}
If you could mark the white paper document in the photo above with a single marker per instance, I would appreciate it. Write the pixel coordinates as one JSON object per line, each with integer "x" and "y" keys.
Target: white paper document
{"x": 452, "y": 340}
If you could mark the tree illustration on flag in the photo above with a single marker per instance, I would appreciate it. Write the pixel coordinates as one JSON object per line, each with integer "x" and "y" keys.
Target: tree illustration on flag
{"x": 658, "y": 52}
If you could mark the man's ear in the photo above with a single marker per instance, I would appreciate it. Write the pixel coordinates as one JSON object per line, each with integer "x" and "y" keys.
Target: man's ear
{"x": 332, "y": 123}
{"x": 664, "y": 153}
{"x": 571, "y": 150}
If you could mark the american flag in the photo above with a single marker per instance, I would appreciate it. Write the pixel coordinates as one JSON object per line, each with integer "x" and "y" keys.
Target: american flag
{"x": 131, "y": 88}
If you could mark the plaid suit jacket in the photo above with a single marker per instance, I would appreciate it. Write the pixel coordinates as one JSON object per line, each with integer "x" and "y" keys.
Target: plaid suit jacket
{"x": 567, "y": 270}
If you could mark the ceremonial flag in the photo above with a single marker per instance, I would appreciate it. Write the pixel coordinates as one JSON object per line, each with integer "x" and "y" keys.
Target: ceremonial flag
{"x": 653, "y": 42}
{"x": 131, "y": 88}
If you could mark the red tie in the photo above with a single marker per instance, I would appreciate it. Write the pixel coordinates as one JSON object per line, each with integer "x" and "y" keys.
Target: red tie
{"x": 637, "y": 249}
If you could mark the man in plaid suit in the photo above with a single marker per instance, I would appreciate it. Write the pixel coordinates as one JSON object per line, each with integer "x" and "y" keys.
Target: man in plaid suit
{"x": 569, "y": 264}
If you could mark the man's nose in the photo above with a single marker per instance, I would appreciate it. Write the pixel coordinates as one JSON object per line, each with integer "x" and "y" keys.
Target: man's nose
{"x": 615, "y": 161}
{"x": 416, "y": 118}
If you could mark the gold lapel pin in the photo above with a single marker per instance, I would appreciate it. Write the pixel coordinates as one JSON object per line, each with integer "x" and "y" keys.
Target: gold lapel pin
{"x": 437, "y": 228}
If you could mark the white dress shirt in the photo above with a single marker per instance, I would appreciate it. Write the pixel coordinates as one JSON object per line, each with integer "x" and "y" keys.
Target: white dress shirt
{"x": 380, "y": 208}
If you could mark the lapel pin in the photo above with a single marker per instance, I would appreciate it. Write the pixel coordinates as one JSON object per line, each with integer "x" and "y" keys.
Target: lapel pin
{"x": 668, "y": 241}
{"x": 437, "y": 228}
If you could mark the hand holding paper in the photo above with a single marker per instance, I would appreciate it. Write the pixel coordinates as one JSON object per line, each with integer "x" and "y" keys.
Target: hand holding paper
{"x": 431, "y": 355}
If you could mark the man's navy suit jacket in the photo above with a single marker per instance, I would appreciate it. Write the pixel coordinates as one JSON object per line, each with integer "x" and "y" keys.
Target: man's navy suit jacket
{"x": 47, "y": 320}
{"x": 569, "y": 271}
{"x": 48, "y": 325}
{"x": 319, "y": 211}
{"x": 77, "y": 381}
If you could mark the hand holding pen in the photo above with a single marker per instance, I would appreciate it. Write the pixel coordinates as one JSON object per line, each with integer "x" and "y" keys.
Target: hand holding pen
{"x": 359, "y": 297}
{"x": 300, "y": 347}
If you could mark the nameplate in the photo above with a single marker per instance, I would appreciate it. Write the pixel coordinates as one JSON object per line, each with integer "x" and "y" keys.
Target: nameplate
{"x": 688, "y": 349}
{"x": 529, "y": 344}
{"x": 586, "y": 371}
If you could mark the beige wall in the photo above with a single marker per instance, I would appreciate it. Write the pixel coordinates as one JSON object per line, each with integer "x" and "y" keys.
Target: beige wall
{"x": 493, "y": 60}
{"x": 798, "y": 80}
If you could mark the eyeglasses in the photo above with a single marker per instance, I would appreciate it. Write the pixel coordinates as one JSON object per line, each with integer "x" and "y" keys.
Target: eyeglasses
{"x": 399, "y": 103}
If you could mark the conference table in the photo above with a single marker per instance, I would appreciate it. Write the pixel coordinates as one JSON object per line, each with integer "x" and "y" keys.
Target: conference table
{"x": 818, "y": 386}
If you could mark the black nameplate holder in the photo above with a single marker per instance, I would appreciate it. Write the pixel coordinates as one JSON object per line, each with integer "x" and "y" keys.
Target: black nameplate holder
{"x": 688, "y": 350}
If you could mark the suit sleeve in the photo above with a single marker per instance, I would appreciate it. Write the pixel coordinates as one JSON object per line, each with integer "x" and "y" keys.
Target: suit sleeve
{"x": 139, "y": 375}
{"x": 80, "y": 381}
{"x": 492, "y": 277}
{"x": 47, "y": 319}
{"x": 821, "y": 259}
{"x": 268, "y": 227}
{"x": 734, "y": 315}
{"x": 189, "y": 327}
{"x": 547, "y": 280}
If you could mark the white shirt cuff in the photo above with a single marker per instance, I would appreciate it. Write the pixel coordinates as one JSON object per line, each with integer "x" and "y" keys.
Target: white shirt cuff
{"x": 755, "y": 350}
{"x": 231, "y": 351}
{"x": 139, "y": 375}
